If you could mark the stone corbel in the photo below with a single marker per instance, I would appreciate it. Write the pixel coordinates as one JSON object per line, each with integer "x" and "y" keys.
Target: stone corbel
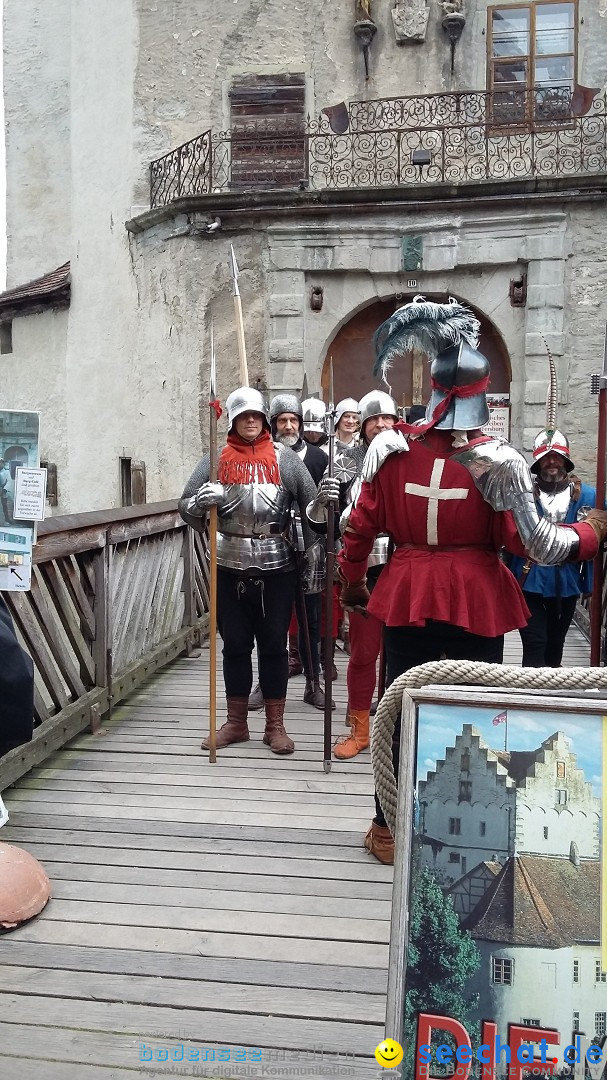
{"x": 410, "y": 18}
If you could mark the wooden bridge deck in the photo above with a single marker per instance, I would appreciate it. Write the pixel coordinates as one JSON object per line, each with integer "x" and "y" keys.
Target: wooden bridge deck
{"x": 199, "y": 907}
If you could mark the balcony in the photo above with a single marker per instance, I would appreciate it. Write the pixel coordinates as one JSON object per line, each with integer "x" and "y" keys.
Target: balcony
{"x": 398, "y": 143}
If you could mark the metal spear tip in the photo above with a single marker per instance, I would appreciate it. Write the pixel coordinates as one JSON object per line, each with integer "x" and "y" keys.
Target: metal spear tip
{"x": 331, "y": 404}
{"x": 234, "y": 271}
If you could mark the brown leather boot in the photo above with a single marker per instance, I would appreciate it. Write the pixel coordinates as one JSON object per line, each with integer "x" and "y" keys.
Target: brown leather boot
{"x": 256, "y": 699}
{"x": 348, "y": 746}
{"x": 275, "y": 735}
{"x": 314, "y": 694}
{"x": 322, "y": 659}
{"x": 380, "y": 842}
{"x": 235, "y": 728}
{"x": 295, "y": 665}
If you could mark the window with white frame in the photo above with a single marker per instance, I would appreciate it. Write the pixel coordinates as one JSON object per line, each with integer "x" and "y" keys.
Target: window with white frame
{"x": 600, "y": 1023}
{"x": 502, "y": 970}
{"x": 599, "y": 974}
{"x": 576, "y": 971}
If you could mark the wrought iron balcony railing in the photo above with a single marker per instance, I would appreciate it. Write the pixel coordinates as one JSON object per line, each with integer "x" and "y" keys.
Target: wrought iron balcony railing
{"x": 451, "y": 139}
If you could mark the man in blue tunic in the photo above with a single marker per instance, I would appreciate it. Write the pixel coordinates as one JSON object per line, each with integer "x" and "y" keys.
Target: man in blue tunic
{"x": 552, "y": 592}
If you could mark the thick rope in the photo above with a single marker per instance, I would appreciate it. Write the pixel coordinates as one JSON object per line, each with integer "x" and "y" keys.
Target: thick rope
{"x": 458, "y": 672}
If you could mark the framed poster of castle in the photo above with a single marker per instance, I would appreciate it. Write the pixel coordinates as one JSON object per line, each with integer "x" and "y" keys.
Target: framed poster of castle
{"x": 498, "y": 954}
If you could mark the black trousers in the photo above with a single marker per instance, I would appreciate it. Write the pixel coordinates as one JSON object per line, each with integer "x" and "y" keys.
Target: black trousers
{"x": 16, "y": 687}
{"x": 255, "y": 608}
{"x": 312, "y": 603}
{"x": 544, "y": 635}
{"x": 408, "y": 646}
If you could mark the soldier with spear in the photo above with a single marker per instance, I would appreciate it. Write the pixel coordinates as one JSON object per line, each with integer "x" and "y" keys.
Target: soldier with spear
{"x": 258, "y": 482}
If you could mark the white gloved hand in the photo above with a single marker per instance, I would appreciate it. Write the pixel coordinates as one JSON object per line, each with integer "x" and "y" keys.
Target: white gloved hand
{"x": 386, "y": 443}
{"x": 210, "y": 494}
{"x": 328, "y": 491}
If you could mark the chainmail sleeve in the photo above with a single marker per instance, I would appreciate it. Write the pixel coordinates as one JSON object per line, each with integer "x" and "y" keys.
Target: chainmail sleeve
{"x": 300, "y": 486}
{"x": 196, "y": 517}
{"x": 502, "y": 476}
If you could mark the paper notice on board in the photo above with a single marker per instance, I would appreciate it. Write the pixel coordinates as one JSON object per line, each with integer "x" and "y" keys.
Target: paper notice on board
{"x": 30, "y": 494}
{"x": 3, "y": 813}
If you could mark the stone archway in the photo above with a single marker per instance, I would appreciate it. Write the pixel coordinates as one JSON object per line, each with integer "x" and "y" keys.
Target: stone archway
{"x": 353, "y": 356}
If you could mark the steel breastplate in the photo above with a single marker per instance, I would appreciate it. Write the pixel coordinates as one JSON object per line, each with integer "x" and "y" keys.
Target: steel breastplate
{"x": 555, "y": 504}
{"x": 252, "y": 527}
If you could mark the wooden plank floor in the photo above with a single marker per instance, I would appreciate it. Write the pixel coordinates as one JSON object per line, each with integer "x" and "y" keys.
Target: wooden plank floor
{"x": 230, "y": 905}
{"x": 199, "y": 906}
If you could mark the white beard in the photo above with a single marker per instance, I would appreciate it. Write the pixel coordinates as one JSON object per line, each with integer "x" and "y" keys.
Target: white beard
{"x": 288, "y": 440}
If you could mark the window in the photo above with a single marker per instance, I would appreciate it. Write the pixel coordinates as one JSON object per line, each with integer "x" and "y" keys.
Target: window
{"x": 453, "y": 856}
{"x": 599, "y": 975}
{"x": 465, "y": 762}
{"x": 545, "y": 832}
{"x": 455, "y": 824}
{"x": 530, "y": 1023}
{"x": 267, "y": 121}
{"x": 465, "y": 790}
{"x": 482, "y": 828}
{"x": 532, "y": 48}
{"x": 575, "y": 1023}
{"x": 576, "y": 971}
{"x": 600, "y": 1023}
{"x": 560, "y": 770}
{"x": 502, "y": 971}
{"x": 6, "y": 338}
{"x": 560, "y": 796}
{"x": 52, "y": 495}
{"x": 132, "y": 482}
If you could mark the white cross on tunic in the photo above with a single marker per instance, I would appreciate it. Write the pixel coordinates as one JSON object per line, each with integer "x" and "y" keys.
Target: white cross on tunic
{"x": 434, "y": 493}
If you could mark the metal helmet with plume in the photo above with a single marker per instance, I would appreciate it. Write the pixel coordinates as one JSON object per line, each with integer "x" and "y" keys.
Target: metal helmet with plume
{"x": 551, "y": 440}
{"x": 448, "y": 335}
{"x": 425, "y": 326}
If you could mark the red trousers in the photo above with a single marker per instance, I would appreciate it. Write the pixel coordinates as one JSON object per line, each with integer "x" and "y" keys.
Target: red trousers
{"x": 365, "y": 646}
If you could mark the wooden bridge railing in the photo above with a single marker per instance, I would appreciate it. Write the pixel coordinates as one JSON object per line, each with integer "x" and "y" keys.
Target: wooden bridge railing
{"x": 115, "y": 594}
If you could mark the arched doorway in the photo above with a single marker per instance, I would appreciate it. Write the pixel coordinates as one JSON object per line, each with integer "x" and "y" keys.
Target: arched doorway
{"x": 353, "y": 357}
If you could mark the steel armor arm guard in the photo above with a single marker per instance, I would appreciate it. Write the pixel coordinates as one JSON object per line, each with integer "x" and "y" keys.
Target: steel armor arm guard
{"x": 502, "y": 476}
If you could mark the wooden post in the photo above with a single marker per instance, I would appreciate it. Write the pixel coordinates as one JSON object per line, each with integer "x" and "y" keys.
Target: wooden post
{"x": 102, "y": 644}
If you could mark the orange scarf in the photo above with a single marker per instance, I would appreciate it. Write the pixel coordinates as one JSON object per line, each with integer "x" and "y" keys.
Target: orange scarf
{"x": 242, "y": 462}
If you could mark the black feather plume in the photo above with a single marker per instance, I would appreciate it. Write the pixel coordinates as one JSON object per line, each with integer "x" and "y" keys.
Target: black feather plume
{"x": 426, "y": 327}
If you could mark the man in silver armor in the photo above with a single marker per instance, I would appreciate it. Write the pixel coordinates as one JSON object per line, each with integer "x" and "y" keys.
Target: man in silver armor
{"x": 347, "y": 423}
{"x": 314, "y": 425}
{"x": 259, "y": 482}
{"x": 378, "y": 412}
{"x": 286, "y": 419}
{"x": 552, "y": 592}
{"x": 450, "y": 498}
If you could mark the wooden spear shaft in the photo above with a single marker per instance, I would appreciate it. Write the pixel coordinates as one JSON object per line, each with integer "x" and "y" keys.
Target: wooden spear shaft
{"x": 212, "y": 566}
{"x": 596, "y": 610}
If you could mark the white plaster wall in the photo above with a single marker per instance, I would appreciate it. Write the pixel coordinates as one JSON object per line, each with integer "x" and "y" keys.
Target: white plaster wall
{"x": 37, "y": 49}
{"x": 39, "y": 344}
{"x": 104, "y": 403}
{"x": 542, "y": 988}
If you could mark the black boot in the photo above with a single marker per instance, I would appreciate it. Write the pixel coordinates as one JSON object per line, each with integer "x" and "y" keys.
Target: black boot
{"x": 256, "y": 699}
{"x": 314, "y": 694}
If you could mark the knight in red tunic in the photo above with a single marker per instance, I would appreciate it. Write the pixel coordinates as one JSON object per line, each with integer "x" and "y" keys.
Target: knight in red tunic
{"x": 449, "y": 497}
